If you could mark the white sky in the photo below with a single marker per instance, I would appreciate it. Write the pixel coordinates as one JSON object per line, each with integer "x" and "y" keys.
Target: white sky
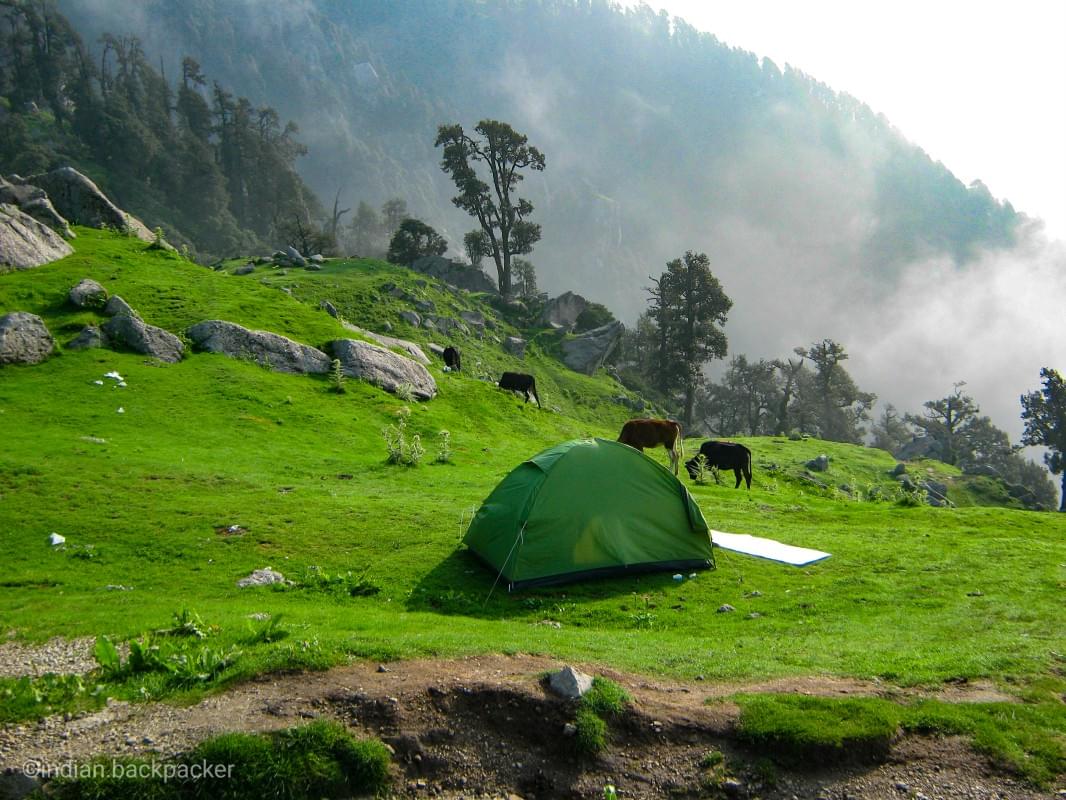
{"x": 978, "y": 84}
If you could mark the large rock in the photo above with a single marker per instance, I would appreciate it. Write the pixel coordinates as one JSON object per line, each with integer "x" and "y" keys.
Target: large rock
{"x": 461, "y": 276}
{"x": 383, "y": 368}
{"x": 88, "y": 294}
{"x": 586, "y": 353}
{"x": 116, "y": 305}
{"x": 33, "y": 200}
{"x": 25, "y": 242}
{"x": 569, "y": 682}
{"x": 24, "y": 339}
{"x": 515, "y": 345}
{"x": 140, "y": 337}
{"x": 80, "y": 200}
{"x": 90, "y": 337}
{"x": 563, "y": 311}
{"x": 265, "y": 348}
{"x": 410, "y": 348}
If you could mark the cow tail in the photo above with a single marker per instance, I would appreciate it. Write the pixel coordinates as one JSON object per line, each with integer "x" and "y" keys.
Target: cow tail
{"x": 680, "y": 444}
{"x": 749, "y": 469}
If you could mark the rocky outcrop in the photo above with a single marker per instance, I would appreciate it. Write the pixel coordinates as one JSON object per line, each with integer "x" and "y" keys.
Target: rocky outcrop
{"x": 563, "y": 311}
{"x": 460, "y": 276}
{"x": 33, "y": 201}
{"x": 586, "y": 353}
{"x": 265, "y": 348}
{"x": 24, "y": 339}
{"x": 88, "y": 294}
{"x": 410, "y": 348}
{"x": 133, "y": 332}
{"x": 383, "y": 368}
{"x": 25, "y": 242}
{"x": 81, "y": 202}
{"x": 920, "y": 447}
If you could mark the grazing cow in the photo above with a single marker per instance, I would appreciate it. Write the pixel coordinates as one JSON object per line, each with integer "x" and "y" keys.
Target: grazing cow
{"x": 520, "y": 382}
{"x": 641, "y": 433}
{"x": 725, "y": 455}
{"x": 451, "y": 358}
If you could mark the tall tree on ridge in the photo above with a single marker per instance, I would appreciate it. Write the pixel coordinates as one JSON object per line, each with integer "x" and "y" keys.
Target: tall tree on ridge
{"x": 502, "y": 218}
{"x": 1044, "y": 414}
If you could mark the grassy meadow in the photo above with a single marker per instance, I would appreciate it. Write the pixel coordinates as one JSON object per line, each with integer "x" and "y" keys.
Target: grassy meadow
{"x": 146, "y": 499}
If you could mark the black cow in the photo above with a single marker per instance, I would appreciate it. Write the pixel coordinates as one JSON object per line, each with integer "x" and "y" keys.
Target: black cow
{"x": 520, "y": 382}
{"x": 451, "y": 358}
{"x": 724, "y": 455}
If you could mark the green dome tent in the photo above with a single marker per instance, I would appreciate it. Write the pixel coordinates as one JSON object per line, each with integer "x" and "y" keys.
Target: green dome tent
{"x": 588, "y": 508}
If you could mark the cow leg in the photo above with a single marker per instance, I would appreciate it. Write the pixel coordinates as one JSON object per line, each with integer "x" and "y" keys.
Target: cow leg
{"x": 737, "y": 473}
{"x": 674, "y": 459}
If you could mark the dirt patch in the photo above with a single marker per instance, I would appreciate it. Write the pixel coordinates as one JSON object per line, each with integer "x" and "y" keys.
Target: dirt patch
{"x": 487, "y": 727}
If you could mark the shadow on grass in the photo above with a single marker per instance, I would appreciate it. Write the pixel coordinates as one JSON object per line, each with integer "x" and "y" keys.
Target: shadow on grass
{"x": 463, "y": 585}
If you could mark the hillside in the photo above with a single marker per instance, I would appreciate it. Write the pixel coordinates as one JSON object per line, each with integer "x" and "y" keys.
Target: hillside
{"x": 658, "y": 139}
{"x": 217, "y": 467}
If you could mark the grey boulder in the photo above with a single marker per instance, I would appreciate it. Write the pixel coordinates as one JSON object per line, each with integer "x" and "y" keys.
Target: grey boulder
{"x": 88, "y": 294}
{"x": 563, "y": 311}
{"x": 411, "y": 349}
{"x": 24, "y": 339}
{"x": 569, "y": 682}
{"x": 265, "y": 348}
{"x": 383, "y": 368}
{"x": 587, "y": 352}
{"x": 116, "y": 305}
{"x": 90, "y": 337}
{"x": 136, "y": 334}
{"x": 515, "y": 345}
{"x": 25, "y": 242}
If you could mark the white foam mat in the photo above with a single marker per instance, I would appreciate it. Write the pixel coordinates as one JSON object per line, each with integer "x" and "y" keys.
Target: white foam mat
{"x": 767, "y": 548}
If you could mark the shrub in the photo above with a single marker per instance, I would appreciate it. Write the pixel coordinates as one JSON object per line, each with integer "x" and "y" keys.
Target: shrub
{"x": 336, "y": 376}
{"x": 401, "y": 450}
{"x": 444, "y": 447}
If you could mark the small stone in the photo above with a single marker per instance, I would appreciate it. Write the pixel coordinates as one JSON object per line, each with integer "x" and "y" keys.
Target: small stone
{"x": 569, "y": 729}
{"x": 902, "y": 787}
{"x": 382, "y": 668}
{"x": 725, "y": 608}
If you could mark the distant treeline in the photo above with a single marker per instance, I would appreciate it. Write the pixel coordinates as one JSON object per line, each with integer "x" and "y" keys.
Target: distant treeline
{"x": 209, "y": 168}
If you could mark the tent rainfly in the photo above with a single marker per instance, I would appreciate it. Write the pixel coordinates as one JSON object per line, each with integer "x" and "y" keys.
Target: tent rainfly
{"x": 588, "y": 508}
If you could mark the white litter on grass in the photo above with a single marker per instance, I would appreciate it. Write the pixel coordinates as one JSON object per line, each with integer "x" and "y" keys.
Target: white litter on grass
{"x": 99, "y": 383}
{"x": 679, "y": 577}
{"x": 55, "y": 539}
{"x": 113, "y": 376}
{"x": 121, "y": 383}
{"x": 767, "y": 548}
{"x": 121, "y": 410}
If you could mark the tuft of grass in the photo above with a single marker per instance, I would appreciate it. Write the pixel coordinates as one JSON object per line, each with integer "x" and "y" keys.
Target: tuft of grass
{"x": 307, "y": 762}
{"x": 605, "y": 698}
{"x": 591, "y": 736}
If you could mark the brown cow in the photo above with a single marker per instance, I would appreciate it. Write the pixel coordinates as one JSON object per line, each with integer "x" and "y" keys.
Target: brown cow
{"x": 641, "y": 433}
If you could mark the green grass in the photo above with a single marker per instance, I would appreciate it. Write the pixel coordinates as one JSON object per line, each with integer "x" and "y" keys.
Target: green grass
{"x": 911, "y": 595}
{"x": 317, "y": 760}
{"x": 812, "y": 731}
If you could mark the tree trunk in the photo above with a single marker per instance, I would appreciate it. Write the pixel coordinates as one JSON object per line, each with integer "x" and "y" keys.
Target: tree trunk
{"x": 1062, "y": 504}
{"x": 690, "y": 399}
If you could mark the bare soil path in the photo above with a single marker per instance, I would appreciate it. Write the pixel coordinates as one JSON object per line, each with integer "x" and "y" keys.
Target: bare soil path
{"x": 486, "y": 726}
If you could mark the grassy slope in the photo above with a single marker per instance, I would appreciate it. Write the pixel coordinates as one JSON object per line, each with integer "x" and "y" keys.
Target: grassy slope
{"x": 910, "y": 594}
